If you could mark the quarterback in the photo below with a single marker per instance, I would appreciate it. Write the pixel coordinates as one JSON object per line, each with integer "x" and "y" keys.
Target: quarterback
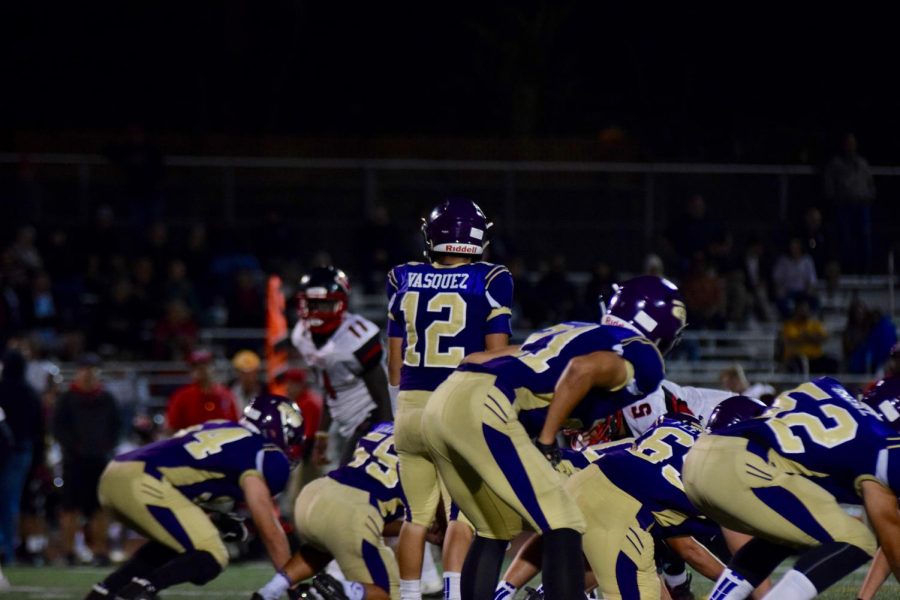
{"x": 438, "y": 313}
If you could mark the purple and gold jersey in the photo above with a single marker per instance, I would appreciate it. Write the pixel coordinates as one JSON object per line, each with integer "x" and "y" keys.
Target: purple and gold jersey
{"x": 373, "y": 469}
{"x": 207, "y": 462}
{"x": 828, "y": 436}
{"x": 529, "y": 377}
{"x": 443, "y": 313}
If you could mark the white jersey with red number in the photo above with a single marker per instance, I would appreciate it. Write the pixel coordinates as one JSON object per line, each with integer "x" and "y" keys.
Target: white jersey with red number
{"x": 699, "y": 402}
{"x": 339, "y": 365}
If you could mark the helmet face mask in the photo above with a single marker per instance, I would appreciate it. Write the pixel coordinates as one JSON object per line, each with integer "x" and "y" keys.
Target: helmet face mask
{"x": 456, "y": 226}
{"x": 323, "y": 297}
{"x": 279, "y": 421}
{"x": 651, "y": 306}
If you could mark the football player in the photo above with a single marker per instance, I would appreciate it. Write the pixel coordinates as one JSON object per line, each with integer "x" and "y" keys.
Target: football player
{"x": 475, "y": 426}
{"x": 165, "y": 489}
{"x": 342, "y": 516}
{"x": 344, "y": 351}
{"x": 781, "y": 476}
{"x": 439, "y": 312}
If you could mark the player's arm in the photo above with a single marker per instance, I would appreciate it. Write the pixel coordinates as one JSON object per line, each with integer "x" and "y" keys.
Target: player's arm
{"x": 604, "y": 369}
{"x": 262, "y": 510}
{"x": 377, "y": 383}
{"x": 881, "y": 507}
{"x": 496, "y": 341}
{"x": 878, "y": 573}
{"x": 395, "y": 359}
{"x": 482, "y": 357}
{"x": 695, "y": 554}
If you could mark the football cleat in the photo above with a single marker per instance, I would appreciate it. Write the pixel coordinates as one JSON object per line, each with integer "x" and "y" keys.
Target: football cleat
{"x": 533, "y": 594}
{"x": 328, "y": 587}
{"x": 98, "y": 592}
{"x": 323, "y": 296}
{"x": 138, "y": 589}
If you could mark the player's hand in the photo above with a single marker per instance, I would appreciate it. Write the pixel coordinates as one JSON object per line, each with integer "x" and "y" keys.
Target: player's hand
{"x": 320, "y": 450}
{"x": 231, "y": 527}
{"x": 550, "y": 451}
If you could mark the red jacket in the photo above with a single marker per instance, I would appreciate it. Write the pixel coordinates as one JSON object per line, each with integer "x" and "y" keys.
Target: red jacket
{"x": 190, "y": 405}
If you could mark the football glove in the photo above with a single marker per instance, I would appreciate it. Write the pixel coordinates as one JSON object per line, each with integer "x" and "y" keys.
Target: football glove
{"x": 231, "y": 527}
{"x": 550, "y": 451}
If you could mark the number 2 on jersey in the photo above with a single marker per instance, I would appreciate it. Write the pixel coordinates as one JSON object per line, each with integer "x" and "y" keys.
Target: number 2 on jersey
{"x": 453, "y": 325}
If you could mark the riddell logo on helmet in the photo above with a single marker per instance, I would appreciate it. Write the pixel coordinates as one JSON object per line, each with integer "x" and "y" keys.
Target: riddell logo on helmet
{"x": 463, "y": 249}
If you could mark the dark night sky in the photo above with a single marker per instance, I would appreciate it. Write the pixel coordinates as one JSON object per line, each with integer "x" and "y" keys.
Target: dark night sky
{"x": 737, "y": 88}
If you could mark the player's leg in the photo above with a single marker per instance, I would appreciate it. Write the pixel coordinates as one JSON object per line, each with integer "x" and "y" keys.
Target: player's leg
{"x": 145, "y": 560}
{"x": 754, "y": 492}
{"x": 457, "y": 540}
{"x": 339, "y": 520}
{"x": 418, "y": 476}
{"x": 160, "y": 512}
{"x": 525, "y": 565}
{"x": 494, "y": 471}
{"x": 619, "y": 550}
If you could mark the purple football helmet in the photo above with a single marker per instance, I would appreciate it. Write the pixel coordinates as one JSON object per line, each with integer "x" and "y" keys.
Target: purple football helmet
{"x": 280, "y": 421}
{"x": 456, "y": 226}
{"x": 884, "y": 398}
{"x": 733, "y": 410}
{"x": 651, "y": 305}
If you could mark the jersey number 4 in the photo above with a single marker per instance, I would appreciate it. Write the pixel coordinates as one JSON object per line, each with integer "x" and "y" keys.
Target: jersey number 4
{"x": 210, "y": 441}
{"x": 451, "y": 326}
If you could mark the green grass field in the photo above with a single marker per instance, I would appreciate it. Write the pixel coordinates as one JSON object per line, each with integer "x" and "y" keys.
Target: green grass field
{"x": 239, "y": 581}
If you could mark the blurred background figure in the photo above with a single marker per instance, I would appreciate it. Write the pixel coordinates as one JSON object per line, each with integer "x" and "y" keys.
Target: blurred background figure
{"x": 735, "y": 380}
{"x": 803, "y": 337}
{"x": 794, "y": 278}
{"x": 25, "y": 419}
{"x": 248, "y": 381}
{"x": 201, "y": 400}
{"x": 849, "y": 186}
{"x": 87, "y": 426}
{"x": 868, "y": 338}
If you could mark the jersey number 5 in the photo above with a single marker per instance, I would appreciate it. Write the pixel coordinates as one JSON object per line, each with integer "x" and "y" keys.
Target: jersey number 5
{"x": 451, "y": 326}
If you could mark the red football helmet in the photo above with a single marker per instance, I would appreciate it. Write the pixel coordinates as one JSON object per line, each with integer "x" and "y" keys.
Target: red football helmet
{"x": 322, "y": 298}
{"x": 609, "y": 429}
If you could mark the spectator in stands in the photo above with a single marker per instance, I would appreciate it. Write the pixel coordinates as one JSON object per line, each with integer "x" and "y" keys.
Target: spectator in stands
{"x": 555, "y": 295}
{"x": 179, "y": 287}
{"x": 653, "y": 265}
{"x": 246, "y": 303}
{"x": 816, "y": 243}
{"x": 24, "y": 415}
{"x": 309, "y": 401}
{"x": 868, "y": 338}
{"x": 176, "y": 333}
{"x": 87, "y": 425}
{"x": 794, "y": 277}
{"x": 248, "y": 381}
{"x": 735, "y": 380}
{"x": 379, "y": 247}
{"x": 694, "y": 231}
{"x": 599, "y": 286}
{"x": 203, "y": 399}
{"x": 704, "y": 294}
{"x": 41, "y": 311}
{"x": 850, "y": 187}
{"x": 119, "y": 326}
{"x": 803, "y": 338}
{"x": 197, "y": 254}
{"x": 24, "y": 249}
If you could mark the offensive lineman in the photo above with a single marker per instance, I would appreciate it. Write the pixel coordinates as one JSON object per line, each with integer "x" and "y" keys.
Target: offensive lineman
{"x": 781, "y": 476}
{"x": 344, "y": 351}
{"x": 165, "y": 489}
{"x": 439, "y": 312}
{"x": 475, "y": 426}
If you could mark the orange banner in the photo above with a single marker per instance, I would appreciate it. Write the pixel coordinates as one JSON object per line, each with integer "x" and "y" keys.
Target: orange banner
{"x": 277, "y": 338}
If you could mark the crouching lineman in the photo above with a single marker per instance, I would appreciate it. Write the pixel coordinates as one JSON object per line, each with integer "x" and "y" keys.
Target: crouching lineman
{"x": 781, "y": 476}
{"x": 631, "y": 495}
{"x": 342, "y": 516}
{"x": 162, "y": 489}
{"x": 474, "y": 426}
